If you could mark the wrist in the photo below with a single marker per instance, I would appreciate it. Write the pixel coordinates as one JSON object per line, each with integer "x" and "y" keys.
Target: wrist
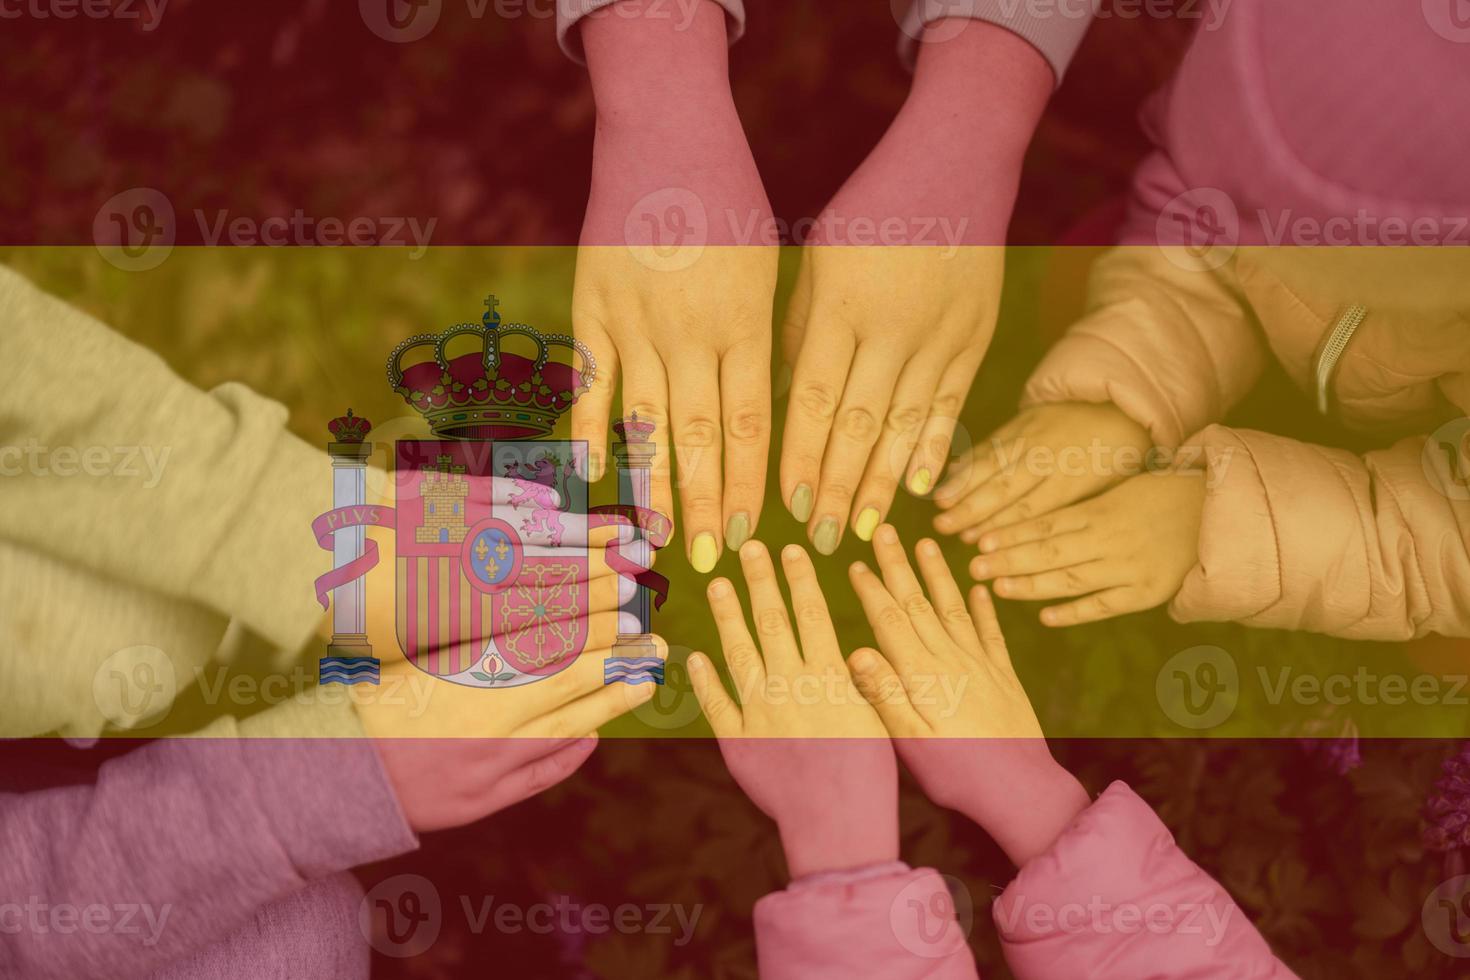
{"x": 646, "y": 65}
{"x": 986, "y": 79}
{"x": 847, "y": 843}
{"x": 1034, "y": 810}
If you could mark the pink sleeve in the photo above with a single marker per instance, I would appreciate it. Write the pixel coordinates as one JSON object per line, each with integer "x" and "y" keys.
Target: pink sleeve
{"x": 1115, "y": 899}
{"x": 888, "y": 921}
{"x": 1303, "y": 537}
{"x": 570, "y": 12}
{"x": 191, "y": 839}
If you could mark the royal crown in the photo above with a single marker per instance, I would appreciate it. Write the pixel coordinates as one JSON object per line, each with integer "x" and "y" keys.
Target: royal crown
{"x": 491, "y": 381}
{"x": 349, "y": 429}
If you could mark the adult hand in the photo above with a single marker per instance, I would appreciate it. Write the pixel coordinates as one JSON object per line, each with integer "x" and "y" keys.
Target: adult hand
{"x": 801, "y": 741}
{"x": 676, "y": 271}
{"x": 976, "y": 746}
{"x": 897, "y": 297}
{"x": 1124, "y": 551}
{"x": 456, "y": 754}
{"x": 1047, "y": 457}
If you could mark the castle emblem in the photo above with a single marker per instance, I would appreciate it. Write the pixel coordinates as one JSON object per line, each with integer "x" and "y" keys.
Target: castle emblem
{"x": 491, "y": 517}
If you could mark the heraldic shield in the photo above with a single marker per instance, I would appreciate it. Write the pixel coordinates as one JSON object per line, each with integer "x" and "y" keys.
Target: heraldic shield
{"x": 492, "y": 558}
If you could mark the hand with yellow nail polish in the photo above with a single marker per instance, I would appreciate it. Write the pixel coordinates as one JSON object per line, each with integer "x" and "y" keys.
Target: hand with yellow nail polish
{"x": 886, "y": 342}
{"x": 900, "y": 282}
{"x": 676, "y": 271}
{"x": 801, "y": 741}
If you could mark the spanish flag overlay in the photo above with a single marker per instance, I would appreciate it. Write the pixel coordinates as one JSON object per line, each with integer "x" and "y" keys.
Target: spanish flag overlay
{"x": 704, "y": 489}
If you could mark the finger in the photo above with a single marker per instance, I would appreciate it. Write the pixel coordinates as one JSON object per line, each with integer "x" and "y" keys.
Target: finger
{"x": 904, "y": 586}
{"x": 945, "y": 594}
{"x": 1006, "y": 487}
{"x": 589, "y": 712}
{"x": 646, "y": 393}
{"x": 889, "y": 460}
{"x": 931, "y": 452}
{"x": 817, "y": 384}
{"x": 980, "y": 463}
{"x": 881, "y": 687}
{"x": 694, "y": 408}
{"x": 1057, "y": 522}
{"x": 742, "y": 656}
{"x": 591, "y": 413}
{"x": 768, "y": 611}
{"x": 721, "y": 710}
{"x": 540, "y": 774}
{"x": 987, "y": 628}
{"x": 579, "y": 678}
{"x": 1090, "y": 609}
{"x": 1034, "y": 557}
{"x": 745, "y": 397}
{"x": 890, "y": 624}
{"x": 1048, "y": 496}
{"x": 855, "y": 430}
{"x": 819, "y": 645}
{"x": 798, "y": 318}
{"x": 1060, "y": 583}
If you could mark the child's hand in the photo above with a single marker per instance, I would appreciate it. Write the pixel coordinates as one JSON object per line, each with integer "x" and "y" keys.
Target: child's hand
{"x": 806, "y": 747}
{"x": 457, "y": 754}
{"x": 1047, "y": 457}
{"x": 945, "y": 688}
{"x": 1124, "y": 551}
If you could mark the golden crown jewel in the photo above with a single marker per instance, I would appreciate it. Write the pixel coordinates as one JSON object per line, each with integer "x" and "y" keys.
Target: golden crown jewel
{"x": 491, "y": 381}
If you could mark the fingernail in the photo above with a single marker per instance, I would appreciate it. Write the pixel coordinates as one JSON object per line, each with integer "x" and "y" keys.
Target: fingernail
{"x": 1048, "y": 616}
{"x": 989, "y": 543}
{"x": 861, "y": 661}
{"x": 980, "y": 568}
{"x": 921, "y": 482}
{"x": 719, "y": 588}
{"x": 825, "y": 540}
{"x": 737, "y": 530}
{"x": 801, "y": 503}
{"x": 705, "y": 553}
{"x": 887, "y": 534}
{"x": 866, "y": 523}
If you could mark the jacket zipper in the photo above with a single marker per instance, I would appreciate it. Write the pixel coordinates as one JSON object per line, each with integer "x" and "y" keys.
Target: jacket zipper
{"x": 1332, "y": 351}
